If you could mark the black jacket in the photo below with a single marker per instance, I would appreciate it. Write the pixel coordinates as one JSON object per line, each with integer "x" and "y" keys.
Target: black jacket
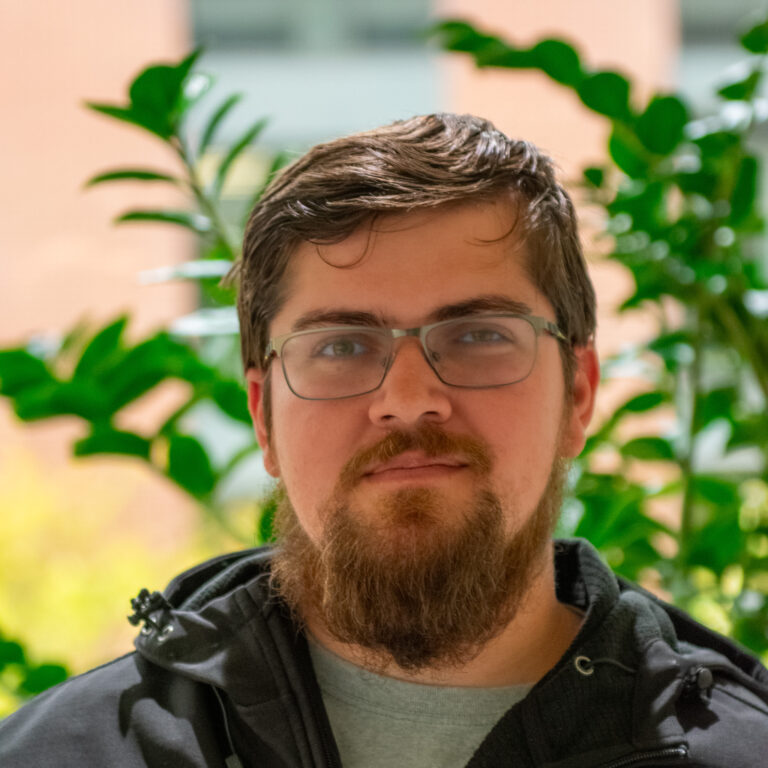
{"x": 222, "y": 678}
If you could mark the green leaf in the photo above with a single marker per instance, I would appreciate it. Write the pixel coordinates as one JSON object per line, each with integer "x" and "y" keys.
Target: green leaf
{"x": 158, "y": 91}
{"x": 660, "y": 127}
{"x": 157, "y": 98}
{"x": 751, "y": 431}
{"x": 716, "y": 404}
{"x": 499, "y": 54}
{"x": 648, "y": 448}
{"x": 594, "y": 176}
{"x": 235, "y": 151}
{"x": 20, "y": 371}
{"x": 11, "y": 653}
{"x": 717, "y": 491}
{"x": 461, "y": 37}
{"x": 717, "y": 143}
{"x": 148, "y": 122}
{"x": 68, "y": 398}
{"x": 628, "y": 154}
{"x": 130, "y": 174}
{"x": 230, "y": 396}
{"x": 742, "y": 89}
{"x": 644, "y": 402}
{"x": 744, "y": 190}
{"x": 645, "y": 203}
{"x": 606, "y": 93}
{"x": 717, "y": 541}
{"x": 113, "y": 441}
{"x": 755, "y": 40}
{"x": 101, "y": 347}
{"x": 42, "y": 677}
{"x": 212, "y": 126}
{"x": 559, "y": 60}
{"x": 145, "y": 366}
{"x": 189, "y": 466}
{"x": 198, "y": 223}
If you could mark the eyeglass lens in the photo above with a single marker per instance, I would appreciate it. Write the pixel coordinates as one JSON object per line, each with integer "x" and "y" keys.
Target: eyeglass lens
{"x": 466, "y": 352}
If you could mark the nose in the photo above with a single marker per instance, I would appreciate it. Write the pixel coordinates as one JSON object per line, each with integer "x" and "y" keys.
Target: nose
{"x": 411, "y": 392}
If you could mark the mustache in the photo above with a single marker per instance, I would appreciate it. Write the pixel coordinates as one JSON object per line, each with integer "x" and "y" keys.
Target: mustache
{"x": 427, "y": 438}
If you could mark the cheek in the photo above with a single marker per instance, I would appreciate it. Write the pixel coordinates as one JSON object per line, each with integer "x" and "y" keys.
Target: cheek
{"x": 312, "y": 442}
{"x": 524, "y": 434}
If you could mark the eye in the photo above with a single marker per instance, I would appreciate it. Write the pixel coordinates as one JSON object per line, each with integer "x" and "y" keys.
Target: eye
{"x": 476, "y": 335}
{"x": 342, "y": 347}
{"x": 484, "y": 336}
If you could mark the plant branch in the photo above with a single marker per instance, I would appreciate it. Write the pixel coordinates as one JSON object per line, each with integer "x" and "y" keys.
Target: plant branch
{"x": 686, "y": 459}
{"x": 207, "y": 206}
{"x": 743, "y": 342}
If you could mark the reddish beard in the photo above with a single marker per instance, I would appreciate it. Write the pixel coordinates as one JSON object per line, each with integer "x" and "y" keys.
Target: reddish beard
{"x": 415, "y": 588}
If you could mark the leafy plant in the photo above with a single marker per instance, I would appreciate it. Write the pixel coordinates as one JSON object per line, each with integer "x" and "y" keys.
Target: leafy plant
{"x": 94, "y": 375}
{"x": 20, "y": 678}
{"x": 680, "y": 195}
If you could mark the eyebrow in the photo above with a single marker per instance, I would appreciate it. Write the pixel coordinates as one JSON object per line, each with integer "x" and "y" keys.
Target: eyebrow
{"x": 473, "y": 306}
{"x": 486, "y": 303}
{"x": 319, "y": 317}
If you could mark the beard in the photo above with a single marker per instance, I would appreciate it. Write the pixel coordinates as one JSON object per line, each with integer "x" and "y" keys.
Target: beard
{"x": 426, "y": 585}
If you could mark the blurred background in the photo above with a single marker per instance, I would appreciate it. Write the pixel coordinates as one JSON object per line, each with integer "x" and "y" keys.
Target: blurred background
{"x": 79, "y": 537}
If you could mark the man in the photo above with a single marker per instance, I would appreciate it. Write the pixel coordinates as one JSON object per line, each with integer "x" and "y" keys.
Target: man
{"x": 417, "y": 334}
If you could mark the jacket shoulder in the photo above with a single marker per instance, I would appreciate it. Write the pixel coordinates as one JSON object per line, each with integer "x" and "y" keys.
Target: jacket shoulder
{"x": 127, "y": 713}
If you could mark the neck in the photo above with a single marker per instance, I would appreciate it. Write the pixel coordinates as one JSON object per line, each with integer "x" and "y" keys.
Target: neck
{"x": 521, "y": 654}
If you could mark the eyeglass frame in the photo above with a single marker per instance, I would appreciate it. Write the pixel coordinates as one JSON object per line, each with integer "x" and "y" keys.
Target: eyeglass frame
{"x": 540, "y": 325}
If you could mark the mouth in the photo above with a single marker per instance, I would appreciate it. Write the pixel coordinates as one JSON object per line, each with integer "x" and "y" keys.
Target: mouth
{"x": 413, "y": 466}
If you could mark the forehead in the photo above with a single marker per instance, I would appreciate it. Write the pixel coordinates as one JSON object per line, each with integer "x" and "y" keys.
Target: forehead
{"x": 405, "y": 267}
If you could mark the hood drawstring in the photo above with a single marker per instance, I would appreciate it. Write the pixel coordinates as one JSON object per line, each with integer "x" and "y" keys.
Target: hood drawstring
{"x": 698, "y": 684}
{"x": 144, "y": 605}
{"x": 586, "y": 666}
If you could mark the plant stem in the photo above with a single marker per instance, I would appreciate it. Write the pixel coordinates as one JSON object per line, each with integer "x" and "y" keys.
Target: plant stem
{"x": 742, "y": 341}
{"x": 207, "y": 205}
{"x": 686, "y": 460}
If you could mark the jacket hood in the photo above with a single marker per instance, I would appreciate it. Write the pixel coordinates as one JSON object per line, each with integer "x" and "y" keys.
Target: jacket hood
{"x": 214, "y": 621}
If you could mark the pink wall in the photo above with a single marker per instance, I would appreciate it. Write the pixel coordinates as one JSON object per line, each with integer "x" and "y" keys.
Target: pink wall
{"x": 60, "y": 258}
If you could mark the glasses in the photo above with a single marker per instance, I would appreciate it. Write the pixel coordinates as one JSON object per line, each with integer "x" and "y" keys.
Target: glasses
{"x": 476, "y": 352}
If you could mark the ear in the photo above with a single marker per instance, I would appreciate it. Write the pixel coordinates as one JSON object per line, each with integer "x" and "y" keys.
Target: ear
{"x": 255, "y": 380}
{"x": 586, "y": 377}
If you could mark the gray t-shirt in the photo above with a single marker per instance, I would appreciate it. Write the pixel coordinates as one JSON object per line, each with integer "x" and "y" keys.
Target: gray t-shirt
{"x": 380, "y": 722}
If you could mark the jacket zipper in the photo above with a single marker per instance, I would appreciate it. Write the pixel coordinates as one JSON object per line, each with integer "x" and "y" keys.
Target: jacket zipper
{"x": 640, "y": 759}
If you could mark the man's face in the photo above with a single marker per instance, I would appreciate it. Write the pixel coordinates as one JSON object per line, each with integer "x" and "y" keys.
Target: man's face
{"x": 405, "y": 271}
{"x": 423, "y": 509}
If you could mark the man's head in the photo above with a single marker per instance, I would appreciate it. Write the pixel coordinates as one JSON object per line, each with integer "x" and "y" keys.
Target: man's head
{"x": 421, "y": 163}
{"x": 439, "y": 475}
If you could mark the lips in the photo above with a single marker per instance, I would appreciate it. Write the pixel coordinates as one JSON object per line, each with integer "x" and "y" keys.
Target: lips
{"x": 415, "y": 461}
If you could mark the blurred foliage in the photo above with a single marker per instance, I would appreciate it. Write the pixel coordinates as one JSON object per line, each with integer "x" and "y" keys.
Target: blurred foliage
{"x": 95, "y": 375}
{"x": 21, "y": 678}
{"x": 682, "y": 211}
{"x": 79, "y": 539}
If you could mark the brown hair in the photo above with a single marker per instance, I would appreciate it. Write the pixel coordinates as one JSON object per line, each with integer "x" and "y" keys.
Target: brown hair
{"x": 423, "y": 162}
